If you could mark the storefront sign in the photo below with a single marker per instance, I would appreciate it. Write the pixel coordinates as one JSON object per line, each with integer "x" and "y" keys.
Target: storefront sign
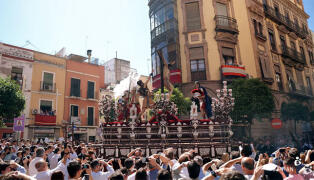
{"x": 19, "y": 123}
{"x": 44, "y": 131}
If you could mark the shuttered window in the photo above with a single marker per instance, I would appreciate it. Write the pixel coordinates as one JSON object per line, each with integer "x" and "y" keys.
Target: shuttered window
{"x": 193, "y": 19}
{"x": 90, "y": 117}
{"x": 90, "y": 90}
{"x": 300, "y": 77}
{"x": 75, "y": 87}
{"x": 265, "y": 68}
{"x": 196, "y": 53}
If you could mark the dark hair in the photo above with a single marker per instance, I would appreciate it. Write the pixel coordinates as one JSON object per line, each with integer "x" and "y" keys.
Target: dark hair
{"x": 270, "y": 175}
{"x": 170, "y": 154}
{"x": 40, "y": 152}
{"x": 139, "y": 164}
{"x": 57, "y": 175}
{"x": 94, "y": 163}
{"x": 3, "y": 166}
{"x": 232, "y": 175}
{"x": 73, "y": 168}
{"x": 164, "y": 174}
{"x": 117, "y": 175}
{"x": 194, "y": 169}
{"x": 56, "y": 150}
{"x": 141, "y": 174}
{"x": 128, "y": 163}
{"x": 246, "y": 151}
{"x": 289, "y": 162}
{"x": 293, "y": 152}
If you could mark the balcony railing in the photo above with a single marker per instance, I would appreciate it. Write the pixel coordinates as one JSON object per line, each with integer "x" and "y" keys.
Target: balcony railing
{"x": 46, "y": 86}
{"x": 293, "y": 54}
{"x": 45, "y": 120}
{"x": 281, "y": 19}
{"x": 226, "y": 24}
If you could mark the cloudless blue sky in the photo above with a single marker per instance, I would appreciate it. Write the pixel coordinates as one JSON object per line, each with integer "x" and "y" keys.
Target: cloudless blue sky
{"x": 105, "y": 26}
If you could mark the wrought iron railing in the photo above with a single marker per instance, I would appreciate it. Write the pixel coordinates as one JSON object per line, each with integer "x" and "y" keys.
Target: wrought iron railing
{"x": 46, "y": 86}
{"x": 281, "y": 19}
{"x": 225, "y": 23}
{"x": 293, "y": 54}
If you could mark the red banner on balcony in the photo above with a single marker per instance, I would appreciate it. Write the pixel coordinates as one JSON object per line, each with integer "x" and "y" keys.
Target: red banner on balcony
{"x": 175, "y": 77}
{"x": 231, "y": 70}
{"x": 45, "y": 120}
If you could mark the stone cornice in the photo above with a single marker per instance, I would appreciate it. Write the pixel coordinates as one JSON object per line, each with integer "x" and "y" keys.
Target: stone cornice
{"x": 293, "y": 6}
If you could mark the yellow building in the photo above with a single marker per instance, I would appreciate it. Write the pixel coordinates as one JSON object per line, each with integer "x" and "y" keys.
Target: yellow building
{"x": 47, "y": 99}
{"x": 215, "y": 40}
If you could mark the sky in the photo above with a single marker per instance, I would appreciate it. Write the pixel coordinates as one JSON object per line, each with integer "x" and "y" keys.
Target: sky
{"x": 105, "y": 26}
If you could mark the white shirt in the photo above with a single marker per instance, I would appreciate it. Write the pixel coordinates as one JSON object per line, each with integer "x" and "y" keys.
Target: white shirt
{"x": 50, "y": 156}
{"x": 103, "y": 175}
{"x": 132, "y": 176}
{"x": 73, "y": 155}
{"x": 44, "y": 175}
{"x": 54, "y": 161}
{"x": 32, "y": 170}
{"x": 63, "y": 168}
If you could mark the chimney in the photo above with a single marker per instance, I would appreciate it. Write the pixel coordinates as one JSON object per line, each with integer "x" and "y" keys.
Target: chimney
{"x": 89, "y": 54}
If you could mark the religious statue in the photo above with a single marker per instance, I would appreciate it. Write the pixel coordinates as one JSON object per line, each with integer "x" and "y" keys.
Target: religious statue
{"x": 144, "y": 92}
{"x": 202, "y": 100}
{"x": 166, "y": 73}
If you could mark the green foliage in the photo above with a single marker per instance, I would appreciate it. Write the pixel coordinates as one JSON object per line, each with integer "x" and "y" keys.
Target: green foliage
{"x": 253, "y": 99}
{"x": 11, "y": 99}
{"x": 294, "y": 111}
{"x": 183, "y": 103}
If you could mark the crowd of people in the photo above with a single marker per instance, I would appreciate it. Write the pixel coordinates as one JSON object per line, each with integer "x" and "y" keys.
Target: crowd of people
{"x": 59, "y": 160}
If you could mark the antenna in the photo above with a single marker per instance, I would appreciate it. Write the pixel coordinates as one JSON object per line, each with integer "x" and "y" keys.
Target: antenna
{"x": 29, "y": 43}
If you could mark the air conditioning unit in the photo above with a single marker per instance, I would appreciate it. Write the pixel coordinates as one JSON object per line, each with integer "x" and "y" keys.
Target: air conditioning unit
{"x": 34, "y": 111}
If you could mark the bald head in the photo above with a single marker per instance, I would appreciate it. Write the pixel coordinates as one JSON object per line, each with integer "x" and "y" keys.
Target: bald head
{"x": 247, "y": 164}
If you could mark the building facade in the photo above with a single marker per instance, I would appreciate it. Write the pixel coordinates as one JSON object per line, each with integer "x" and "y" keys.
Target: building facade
{"x": 218, "y": 40}
{"x": 83, "y": 83}
{"x": 47, "y": 101}
{"x": 116, "y": 70}
{"x": 17, "y": 63}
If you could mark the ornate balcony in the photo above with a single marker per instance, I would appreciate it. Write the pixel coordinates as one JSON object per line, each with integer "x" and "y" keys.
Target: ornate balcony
{"x": 45, "y": 120}
{"x": 226, "y": 24}
{"x": 282, "y": 20}
{"x": 293, "y": 54}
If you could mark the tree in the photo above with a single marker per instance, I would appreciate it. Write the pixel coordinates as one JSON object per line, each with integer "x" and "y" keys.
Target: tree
{"x": 11, "y": 99}
{"x": 183, "y": 103}
{"x": 294, "y": 111}
{"x": 253, "y": 99}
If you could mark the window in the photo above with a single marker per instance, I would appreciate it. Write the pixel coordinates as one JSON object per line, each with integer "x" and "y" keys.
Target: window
{"x": 272, "y": 40}
{"x": 302, "y": 52}
{"x": 47, "y": 83}
{"x": 255, "y": 26}
{"x": 228, "y": 55}
{"x": 90, "y": 116}
{"x": 311, "y": 56}
{"x": 193, "y": 19}
{"x": 276, "y": 7}
{"x": 265, "y": 69}
{"x": 283, "y": 43}
{"x": 308, "y": 82}
{"x": 287, "y": 16}
{"x": 45, "y": 107}
{"x": 17, "y": 75}
{"x": 75, "y": 87}
{"x": 74, "y": 110}
{"x": 90, "y": 90}
{"x": 260, "y": 28}
{"x": 296, "y": 21}
{"x": 300, "y": 78}
{"x": 222, "y": 9}
{"x": 292, "y": 44}
{"x": 290, "y": 79}
{"x": 198, "y": 71}
{"x": 278, "y": 80}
